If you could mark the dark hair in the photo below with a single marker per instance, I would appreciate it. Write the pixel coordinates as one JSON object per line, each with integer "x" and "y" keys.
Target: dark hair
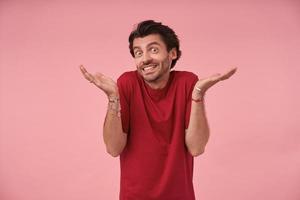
{"x": 148, "y": 27}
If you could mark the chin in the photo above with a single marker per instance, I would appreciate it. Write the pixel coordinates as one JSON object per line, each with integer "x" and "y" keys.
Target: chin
{"x": 150, "y": 78}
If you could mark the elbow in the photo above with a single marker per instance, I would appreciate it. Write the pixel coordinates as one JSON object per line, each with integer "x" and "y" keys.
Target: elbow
{"x": 113, "y": 153}
{"x": 115, "y": 148}
{"x": 196, "y": 152}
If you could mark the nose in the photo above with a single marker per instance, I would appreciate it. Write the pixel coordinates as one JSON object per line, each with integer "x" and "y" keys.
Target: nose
{"x": 146, "y": 59}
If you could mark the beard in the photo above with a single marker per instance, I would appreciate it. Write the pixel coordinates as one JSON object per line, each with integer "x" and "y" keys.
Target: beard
{"x": 154, "y": 72}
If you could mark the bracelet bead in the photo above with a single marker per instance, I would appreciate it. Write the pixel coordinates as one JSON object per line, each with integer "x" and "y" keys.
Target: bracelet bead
{"x": 197, "y": 100}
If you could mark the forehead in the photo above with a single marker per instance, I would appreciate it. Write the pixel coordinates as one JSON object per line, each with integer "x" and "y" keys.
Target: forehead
{"x": 143, "y": 42}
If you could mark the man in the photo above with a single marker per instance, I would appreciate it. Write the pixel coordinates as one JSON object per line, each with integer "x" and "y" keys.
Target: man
{"x": 156, "y": 117}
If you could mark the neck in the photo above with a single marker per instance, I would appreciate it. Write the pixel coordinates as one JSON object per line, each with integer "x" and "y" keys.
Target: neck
{"x": 159, "y": 83}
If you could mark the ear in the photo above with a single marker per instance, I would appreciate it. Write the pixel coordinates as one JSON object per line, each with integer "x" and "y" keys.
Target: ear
{"x": 173, "y": 54}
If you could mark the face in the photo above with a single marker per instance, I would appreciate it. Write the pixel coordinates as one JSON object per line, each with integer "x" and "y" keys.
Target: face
{"x": 152, "y": 59}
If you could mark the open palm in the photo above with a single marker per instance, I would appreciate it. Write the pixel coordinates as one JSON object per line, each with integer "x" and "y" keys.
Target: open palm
{"x": 206, "y": 83}
{"x": 105, "y": 83}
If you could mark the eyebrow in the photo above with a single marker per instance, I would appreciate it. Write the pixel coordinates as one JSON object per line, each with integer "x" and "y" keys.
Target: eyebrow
{"x": 151, "y": 43}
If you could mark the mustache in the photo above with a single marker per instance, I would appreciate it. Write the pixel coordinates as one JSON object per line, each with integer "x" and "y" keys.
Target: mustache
{"x": 148, "y": 64}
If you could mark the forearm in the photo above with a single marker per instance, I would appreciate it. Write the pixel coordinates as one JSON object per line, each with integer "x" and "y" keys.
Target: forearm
{"x": 198, "y": 130}
{"x": 114, "y": 138}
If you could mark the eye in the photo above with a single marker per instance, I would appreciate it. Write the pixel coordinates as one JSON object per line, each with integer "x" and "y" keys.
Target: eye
{"x": 154, "y": 50}
{"x": 138, "y": 53}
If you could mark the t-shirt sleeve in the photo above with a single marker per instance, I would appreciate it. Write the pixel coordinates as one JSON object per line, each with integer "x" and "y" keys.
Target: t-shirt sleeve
{"x": 191, "y": 81}
{"x": 124, "y": 93}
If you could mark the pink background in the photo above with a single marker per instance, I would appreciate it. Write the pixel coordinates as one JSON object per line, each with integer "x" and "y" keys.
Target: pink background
{"x": 51, "y": 118}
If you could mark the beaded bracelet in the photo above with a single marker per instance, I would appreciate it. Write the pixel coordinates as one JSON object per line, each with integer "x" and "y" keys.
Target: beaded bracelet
{"x": 201, "y": 99}
{"x": 114, "y": 105}
{"x": 198, "y": 100}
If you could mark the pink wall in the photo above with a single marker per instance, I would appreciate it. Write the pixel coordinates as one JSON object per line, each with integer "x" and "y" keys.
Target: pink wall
{"x": 51, "y": 118}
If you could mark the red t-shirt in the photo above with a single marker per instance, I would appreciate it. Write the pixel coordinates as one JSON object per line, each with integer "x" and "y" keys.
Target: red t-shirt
{"x": 155, "y": 164}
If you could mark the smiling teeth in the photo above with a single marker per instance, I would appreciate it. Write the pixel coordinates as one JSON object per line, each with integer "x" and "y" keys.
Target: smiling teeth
{"x": 148, "y": 68}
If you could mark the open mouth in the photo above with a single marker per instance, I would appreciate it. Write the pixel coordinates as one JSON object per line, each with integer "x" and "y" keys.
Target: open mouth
{"x": 149, "y": 68}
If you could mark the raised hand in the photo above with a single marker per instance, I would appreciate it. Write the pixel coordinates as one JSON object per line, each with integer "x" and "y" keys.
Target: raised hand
{"x": 105, "y": 83}
{"x": 205, "y": 83}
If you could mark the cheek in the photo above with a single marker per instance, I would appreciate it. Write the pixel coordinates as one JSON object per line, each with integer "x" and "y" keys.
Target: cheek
{"x": 167, "y": 62}
{"x": 137, "y": 63}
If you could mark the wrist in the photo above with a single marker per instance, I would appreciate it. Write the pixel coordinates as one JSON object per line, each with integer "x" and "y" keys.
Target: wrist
{"x": 198, "y": 99}
{"x": 114, "y": 106}
{"x": 113, "y": 99}
{"x": 114, "y": 92}
{"x": 198, "y": 94}
{"x": 113, "y": 95}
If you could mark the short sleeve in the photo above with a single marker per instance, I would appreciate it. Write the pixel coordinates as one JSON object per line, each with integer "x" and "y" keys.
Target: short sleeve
{"x": 124, "y": 102}
{"x": 191, "y": 81}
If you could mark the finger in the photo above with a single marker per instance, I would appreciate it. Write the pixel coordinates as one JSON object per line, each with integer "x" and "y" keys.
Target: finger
{"x": 99, "y": 75}
{"x": 216, "y": 74}
{"x": 231, "y": 71}
{"x": 91, "y": 78}
{"x": 87, "y": 75}
{"x": 82, "y": 69}
{"x": 228, "y": 74}
{"x": 103, "y": 78}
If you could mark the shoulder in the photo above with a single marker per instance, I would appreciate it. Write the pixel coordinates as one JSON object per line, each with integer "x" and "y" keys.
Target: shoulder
{"x": 185, "y": 76}
{"x": 127, "y": 76}
{"x": 127, "y": 81}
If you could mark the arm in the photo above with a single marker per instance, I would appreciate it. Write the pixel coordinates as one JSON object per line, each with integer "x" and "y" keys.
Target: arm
{"x": 197, "y": 134}
{"x": 113, "y": 136}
